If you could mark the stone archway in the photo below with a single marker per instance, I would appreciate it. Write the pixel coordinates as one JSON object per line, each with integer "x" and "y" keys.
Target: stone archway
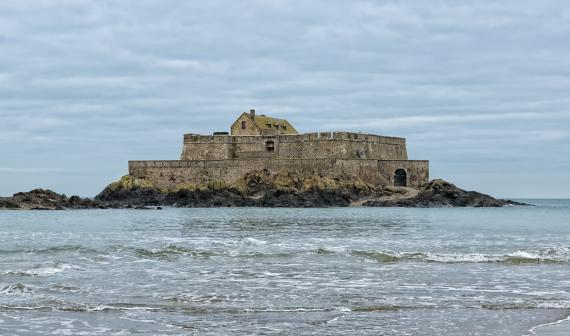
{"x": 400, "y": 178}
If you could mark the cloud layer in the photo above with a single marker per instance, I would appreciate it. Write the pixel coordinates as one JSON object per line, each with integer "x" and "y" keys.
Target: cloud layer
{"x": 480, "y": 89}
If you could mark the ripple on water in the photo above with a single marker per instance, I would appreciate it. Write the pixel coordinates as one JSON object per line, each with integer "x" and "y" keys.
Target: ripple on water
{"x": 332, "y": 271}
{"x": 17, "y": 289}
{"x": 171, "y": 251}
{"x": 44, "y": 271}
{"x": 514, "y": 258}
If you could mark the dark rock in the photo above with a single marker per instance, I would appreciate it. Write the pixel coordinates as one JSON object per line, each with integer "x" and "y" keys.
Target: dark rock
{"x": 440, "y": 193}
{"x": 259, "y": 189}
{"x": 293, "y": 189}
{"x": 256, "y": 189}
{"x": 40, "y": 199}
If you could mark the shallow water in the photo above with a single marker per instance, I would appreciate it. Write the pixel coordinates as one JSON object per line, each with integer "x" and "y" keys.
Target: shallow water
{"x": 357, "y": 271}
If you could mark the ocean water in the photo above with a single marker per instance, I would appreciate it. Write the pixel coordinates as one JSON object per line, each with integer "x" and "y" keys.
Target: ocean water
{"x": 339, "y": 271}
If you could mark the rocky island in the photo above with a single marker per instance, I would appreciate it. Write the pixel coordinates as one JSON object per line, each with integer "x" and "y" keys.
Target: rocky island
{"x": 263, "y": 189}
{"x": 42, "y": 199}
{"x": 265, "y": 162}
{"x": 260, "y": 189}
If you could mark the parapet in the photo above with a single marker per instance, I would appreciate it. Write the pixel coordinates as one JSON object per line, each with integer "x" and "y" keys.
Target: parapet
{"x": 223, "y": 137}
{"x": 319, "y": 145}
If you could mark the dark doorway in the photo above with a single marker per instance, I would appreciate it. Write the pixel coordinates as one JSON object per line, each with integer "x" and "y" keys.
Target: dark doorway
{"x": 400, "y": 178}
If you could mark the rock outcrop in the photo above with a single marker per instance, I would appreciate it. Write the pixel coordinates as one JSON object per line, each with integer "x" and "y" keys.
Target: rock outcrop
{"x": 260, "y": 189}
{"x": 40, "y": 199}
{"x": 293, "y": 189}
{"x": 440, "y": 193}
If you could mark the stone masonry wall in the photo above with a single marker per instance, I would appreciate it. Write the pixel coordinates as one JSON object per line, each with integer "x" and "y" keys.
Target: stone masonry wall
{"x": 323, "y": 145}
{"x": 169, "y": 174}
{"x": 250, "y": 127}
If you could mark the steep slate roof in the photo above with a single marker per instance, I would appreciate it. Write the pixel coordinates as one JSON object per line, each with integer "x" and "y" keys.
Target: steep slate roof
{"x": 262, "y": 122}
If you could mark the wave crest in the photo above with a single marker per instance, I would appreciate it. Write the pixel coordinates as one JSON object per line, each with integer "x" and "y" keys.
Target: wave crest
{"x": 17, "y": 289}
{"x": 43, "y": 270}
{"x": 52, "y": 250}
{"x": 514, "y": 258}
{"x": 170, "y": 251}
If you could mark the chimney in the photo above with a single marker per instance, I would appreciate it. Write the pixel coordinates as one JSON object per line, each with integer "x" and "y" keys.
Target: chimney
{"x": 252, "y": 113}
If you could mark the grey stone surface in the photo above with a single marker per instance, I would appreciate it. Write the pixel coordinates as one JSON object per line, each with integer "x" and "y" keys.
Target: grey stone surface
{"x": 227, "y": 158}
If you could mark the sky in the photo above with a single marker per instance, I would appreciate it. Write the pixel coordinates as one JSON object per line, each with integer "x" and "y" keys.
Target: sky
{"x": 479, "y": 88}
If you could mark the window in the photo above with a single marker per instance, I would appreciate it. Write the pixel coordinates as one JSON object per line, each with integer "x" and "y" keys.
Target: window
{"x": 270, "y": 146}
{"x": 276, "y": 126}
{"x": 268, "y": 125}
{"x": 244, "y": 124}
{"x": 284, "y": 128}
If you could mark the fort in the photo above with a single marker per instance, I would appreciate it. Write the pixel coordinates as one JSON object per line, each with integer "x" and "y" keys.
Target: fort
{"x": 260, "y": 142}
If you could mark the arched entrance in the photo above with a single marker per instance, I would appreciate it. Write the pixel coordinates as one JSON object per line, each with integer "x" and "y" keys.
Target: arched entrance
{"x": 400, "y": 178}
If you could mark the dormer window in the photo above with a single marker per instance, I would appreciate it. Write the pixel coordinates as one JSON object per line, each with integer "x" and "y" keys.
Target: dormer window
{"x": 284, "y": 128}
{"x": 276, "y": 126}
{"x": 268, "y": 125}
{"x": 244, "y": 124}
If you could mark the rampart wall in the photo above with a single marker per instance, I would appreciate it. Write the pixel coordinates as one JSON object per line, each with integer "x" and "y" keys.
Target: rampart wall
{"x": 169, "y": 174}
{"x": 322, "y": 145}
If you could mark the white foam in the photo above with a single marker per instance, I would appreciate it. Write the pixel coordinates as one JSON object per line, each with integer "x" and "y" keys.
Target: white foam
{"x": 44, "y": 270}
{"x": 106, "y": 307}
{"x": 482, "y": 258}
{"x": 334, "y": 319}
{"x": 343, "y": 309}
{"x": 48, "y": 270}
{"x": 532, "y": 331}
{"x": 253, "y": 241}
{"x": 17, "y": 289}
{"x": 458, "y": 258}
{"x": 524, "y": 254}
{"x": 336, "y": 249}
{"x": 554, "y": 305}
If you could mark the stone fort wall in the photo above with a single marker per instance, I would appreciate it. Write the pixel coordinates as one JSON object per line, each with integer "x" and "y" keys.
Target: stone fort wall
{"x": 169, "y": 174}
{"x": 322, "y": 145}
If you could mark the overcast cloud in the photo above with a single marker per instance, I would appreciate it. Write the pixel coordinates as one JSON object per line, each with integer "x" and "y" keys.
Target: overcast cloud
{"x": 481, "y": 89}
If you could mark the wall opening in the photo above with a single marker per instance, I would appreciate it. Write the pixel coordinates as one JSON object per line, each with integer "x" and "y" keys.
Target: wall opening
{"x": 400, "y": 178}
{"x": 270, "y": 146}
{"x": 244, "y": 124}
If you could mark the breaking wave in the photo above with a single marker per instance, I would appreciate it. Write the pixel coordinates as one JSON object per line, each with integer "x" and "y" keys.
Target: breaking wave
{"x": 171, "y": 251}
{"x": 551, "y": 256}
{"x": 17, "y": 289}
{"x": 42, "y": 270}
{"x": 51, "y": 250}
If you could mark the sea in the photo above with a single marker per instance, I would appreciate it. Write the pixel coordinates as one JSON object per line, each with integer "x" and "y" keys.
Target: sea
{"x": 272, "y": 271}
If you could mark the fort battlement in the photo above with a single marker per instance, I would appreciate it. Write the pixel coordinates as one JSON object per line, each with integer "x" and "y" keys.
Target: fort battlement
{"x": 321, "y": 145}
{"x": 257, "y": 143}
{"x": 315, "y": 136}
